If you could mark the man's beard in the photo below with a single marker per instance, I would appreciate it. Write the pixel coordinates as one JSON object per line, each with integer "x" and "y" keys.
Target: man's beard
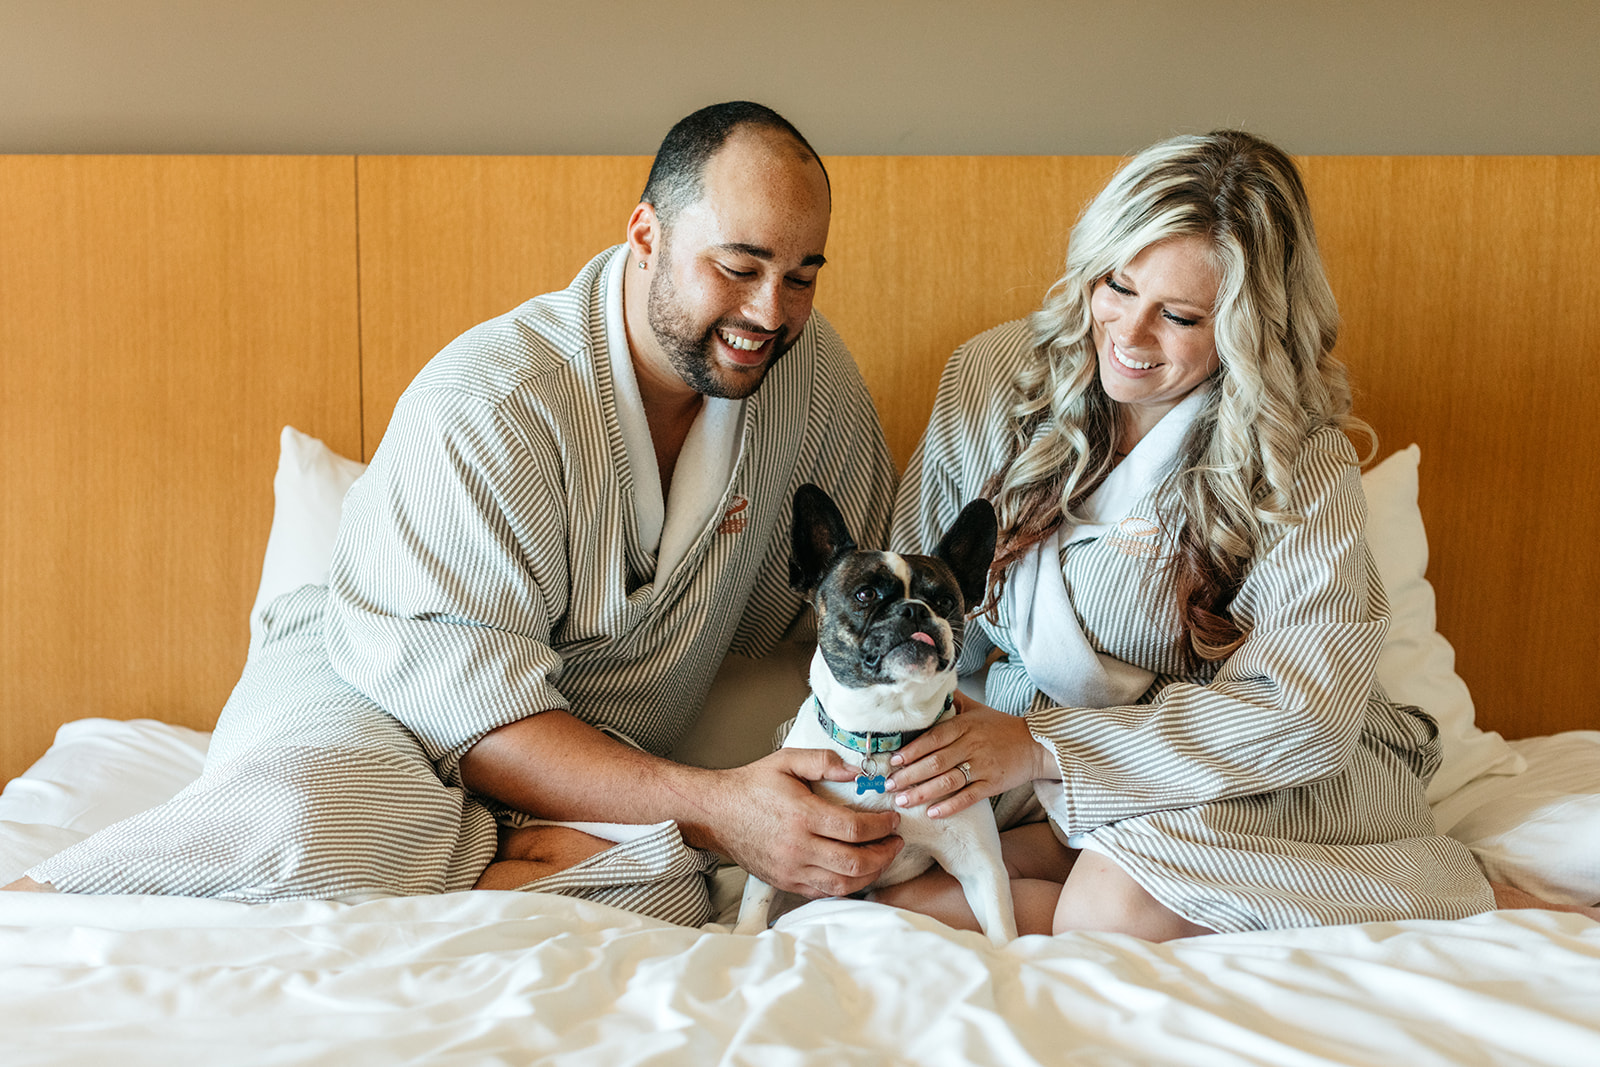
{"x": 689, "y": 349}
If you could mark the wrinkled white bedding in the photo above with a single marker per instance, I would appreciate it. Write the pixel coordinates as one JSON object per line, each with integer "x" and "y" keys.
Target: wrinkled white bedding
{"x": 519, "y": 978}
{"x": 488, "y": 978}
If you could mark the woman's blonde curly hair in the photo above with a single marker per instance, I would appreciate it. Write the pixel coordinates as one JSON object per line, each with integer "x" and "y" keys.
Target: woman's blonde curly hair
{"x": 1275, "y": 325}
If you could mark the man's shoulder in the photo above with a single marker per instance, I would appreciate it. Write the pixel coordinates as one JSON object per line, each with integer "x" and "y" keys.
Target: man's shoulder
{"x": 534, "y": 345}
{"x": 818, "y": 367}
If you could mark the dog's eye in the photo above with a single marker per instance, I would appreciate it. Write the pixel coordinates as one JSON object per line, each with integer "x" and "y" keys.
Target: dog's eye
{"x": 944, "y": 605}
{"x": 866, "y": 595}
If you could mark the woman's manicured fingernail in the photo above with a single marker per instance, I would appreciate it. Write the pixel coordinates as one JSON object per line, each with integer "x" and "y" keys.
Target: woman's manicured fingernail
{"x": 902, "y": 800}
{"x": 934, "y": 813}
{"x": 888, "y": 783}
{"x": 896, "y": 759}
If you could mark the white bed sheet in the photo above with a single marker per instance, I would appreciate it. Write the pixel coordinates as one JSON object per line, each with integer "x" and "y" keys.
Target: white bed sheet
{"x": 477, "y": 978}
{"x": 474, "y": 978}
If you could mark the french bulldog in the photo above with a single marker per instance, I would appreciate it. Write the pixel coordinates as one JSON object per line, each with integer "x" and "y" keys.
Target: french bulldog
{"x": 888, "y": 630}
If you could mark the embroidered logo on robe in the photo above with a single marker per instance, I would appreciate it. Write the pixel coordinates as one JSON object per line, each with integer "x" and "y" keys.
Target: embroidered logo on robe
{"x": 736, "y": 518}
{"x": 1134, "y": 536}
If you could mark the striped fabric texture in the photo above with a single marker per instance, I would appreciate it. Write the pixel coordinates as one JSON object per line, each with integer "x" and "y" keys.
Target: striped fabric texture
{"x": 489, "y": 567}
{"x": 1278, "y": 788}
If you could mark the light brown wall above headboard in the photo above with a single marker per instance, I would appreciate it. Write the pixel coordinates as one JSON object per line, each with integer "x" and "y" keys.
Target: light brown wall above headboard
{"x": 162, "y": 317}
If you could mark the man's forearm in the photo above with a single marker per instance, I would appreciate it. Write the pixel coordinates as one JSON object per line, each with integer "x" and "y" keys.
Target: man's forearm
{"x": 555, "y": 766}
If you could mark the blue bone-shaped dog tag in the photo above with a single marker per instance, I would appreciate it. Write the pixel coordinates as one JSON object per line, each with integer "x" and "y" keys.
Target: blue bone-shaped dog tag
{"x": 865, "y": 782}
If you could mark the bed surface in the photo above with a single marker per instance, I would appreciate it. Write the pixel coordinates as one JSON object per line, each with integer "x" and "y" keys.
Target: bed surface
{"x": 477, "y": 978}
{"x": 487, "y": 977}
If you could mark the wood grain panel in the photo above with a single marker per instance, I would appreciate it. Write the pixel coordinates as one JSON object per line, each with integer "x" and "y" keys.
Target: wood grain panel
{"x": 447, "y": 242}
{"x": 923, "y": 253}
{"x": 160, "y": 319}
{"x": 1471, "y": 314}
{"x": 926, "y": 252}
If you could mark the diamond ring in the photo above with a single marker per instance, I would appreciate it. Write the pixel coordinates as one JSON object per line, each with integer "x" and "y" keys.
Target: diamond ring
{"x": 966, "y": 771}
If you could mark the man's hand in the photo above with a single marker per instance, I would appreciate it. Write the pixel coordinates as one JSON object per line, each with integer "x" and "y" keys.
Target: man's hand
{"x": 766, "y": 819}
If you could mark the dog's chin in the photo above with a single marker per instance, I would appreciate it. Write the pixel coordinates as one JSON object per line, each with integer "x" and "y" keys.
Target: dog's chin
{"x": 913, "y": 659}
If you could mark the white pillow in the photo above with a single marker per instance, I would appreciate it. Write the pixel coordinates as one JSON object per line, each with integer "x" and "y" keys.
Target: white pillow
{"x": 1538, "y": 831}
{"x": 98, "y": 771}
{"x": 308, "y": 493}
{"x": 1417, "y": 665}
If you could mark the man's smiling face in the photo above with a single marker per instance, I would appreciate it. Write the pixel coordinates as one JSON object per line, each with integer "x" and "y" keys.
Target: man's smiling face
{"x": 735, "y": 272}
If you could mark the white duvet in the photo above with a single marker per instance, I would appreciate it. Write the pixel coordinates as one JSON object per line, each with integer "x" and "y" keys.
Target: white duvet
{"x": 515, "y": 978}
{"x": 481, "y": 978}
{"x": 512, "y": 978}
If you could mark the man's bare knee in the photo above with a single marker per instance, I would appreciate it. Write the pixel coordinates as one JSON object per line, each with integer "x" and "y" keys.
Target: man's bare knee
{"x": 28, "y": 885}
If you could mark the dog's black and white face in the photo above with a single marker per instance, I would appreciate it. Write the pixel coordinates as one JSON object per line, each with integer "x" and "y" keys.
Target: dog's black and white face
{"x": 885, "y": 618}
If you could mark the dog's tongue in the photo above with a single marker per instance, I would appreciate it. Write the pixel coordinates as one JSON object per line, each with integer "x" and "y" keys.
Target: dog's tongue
{"x": 920, "y": 636}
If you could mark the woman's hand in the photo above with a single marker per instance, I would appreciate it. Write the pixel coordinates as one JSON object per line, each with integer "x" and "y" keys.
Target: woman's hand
{"x": 997, "y": 749}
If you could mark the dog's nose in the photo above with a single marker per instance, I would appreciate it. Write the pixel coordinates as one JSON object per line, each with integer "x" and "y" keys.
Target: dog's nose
{"x": 912, "y": 610}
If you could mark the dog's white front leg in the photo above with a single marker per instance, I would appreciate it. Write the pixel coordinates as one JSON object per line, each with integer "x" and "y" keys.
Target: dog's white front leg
{"x": 755, "y": 906}
{"x": 970, "y": 850}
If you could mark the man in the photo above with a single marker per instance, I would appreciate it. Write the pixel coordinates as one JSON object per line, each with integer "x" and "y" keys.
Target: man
{"x": 577, "y": 509}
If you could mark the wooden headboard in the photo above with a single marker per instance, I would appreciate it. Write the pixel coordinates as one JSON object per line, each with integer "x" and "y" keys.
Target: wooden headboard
{"x": 162, "y": 317}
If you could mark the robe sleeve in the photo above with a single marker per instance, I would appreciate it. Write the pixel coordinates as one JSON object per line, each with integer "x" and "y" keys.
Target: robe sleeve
{"x": 441, "y": 609}
{"x": 1285, "y": 709}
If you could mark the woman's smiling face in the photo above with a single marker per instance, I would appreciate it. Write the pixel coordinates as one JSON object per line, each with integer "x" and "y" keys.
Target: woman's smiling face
{"x": 1154, "y": 329}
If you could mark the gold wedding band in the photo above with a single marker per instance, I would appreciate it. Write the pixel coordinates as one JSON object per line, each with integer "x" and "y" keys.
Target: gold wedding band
{"x": 966, "y": 771}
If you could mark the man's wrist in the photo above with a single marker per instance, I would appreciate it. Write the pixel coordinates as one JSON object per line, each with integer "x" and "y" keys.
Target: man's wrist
{"x": 693, "y": 793}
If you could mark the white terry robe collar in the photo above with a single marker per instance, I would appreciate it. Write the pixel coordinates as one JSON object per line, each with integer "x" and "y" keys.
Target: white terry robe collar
{"x": 1049, "y": 636}
{"x": 669, "y": 523}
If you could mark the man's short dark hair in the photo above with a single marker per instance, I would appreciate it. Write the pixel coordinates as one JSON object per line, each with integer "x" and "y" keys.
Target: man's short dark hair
{"x": 675, "y": 177}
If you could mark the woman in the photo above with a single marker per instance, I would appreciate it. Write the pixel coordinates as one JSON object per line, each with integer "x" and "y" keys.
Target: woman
{"x": 1183, "y": 616}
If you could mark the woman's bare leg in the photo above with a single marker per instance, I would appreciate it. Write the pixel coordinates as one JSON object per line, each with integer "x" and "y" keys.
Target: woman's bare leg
{"x": 528, "y": 853}
{"x": 1100, "y": 896}
{"x": 1036, "y": 862}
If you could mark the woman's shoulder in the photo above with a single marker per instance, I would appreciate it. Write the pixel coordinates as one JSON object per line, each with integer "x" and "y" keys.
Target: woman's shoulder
{"x": 1325, "y": 468}
{"x": 999, "y": 351}
{"x": 979, "y": 375}
{"x": 1326, "y": 449}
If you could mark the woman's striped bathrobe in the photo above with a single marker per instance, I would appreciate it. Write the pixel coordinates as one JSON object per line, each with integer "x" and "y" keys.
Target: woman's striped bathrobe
{"x": 1277, "y": 788}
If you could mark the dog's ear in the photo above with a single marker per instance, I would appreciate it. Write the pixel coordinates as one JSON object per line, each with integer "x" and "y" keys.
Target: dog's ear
{"x": 820, "y": 537}
{"x": 968, "y": 548}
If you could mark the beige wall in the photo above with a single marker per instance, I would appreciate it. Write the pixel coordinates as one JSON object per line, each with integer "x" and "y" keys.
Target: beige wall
{"x": 859, "y": 76}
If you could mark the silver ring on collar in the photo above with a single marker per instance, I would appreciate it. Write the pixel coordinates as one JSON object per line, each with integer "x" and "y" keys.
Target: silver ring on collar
{"x": 966, "y": 772}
